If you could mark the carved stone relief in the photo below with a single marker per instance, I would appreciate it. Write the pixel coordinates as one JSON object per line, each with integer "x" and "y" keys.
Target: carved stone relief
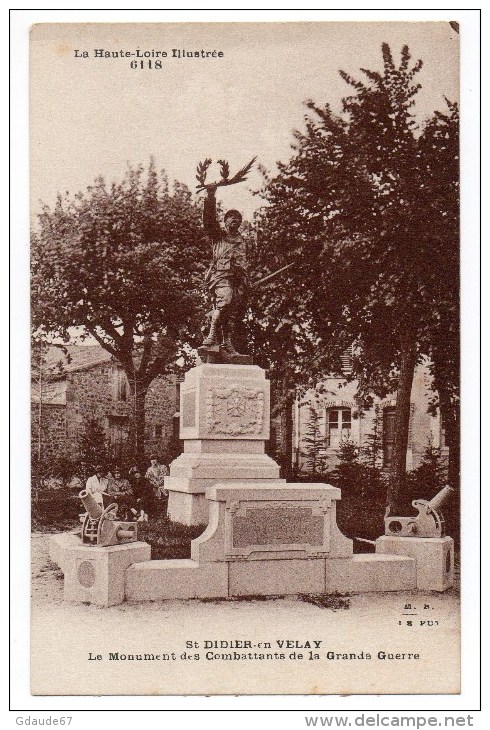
{"x": 235, "y": 410}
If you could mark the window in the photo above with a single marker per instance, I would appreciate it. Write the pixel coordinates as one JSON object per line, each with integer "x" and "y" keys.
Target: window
{"x": 158, "y": 431}
{"x": 118, "y": 435}
{"x": 338, "y": 426}
{"x": 388, "y": 435}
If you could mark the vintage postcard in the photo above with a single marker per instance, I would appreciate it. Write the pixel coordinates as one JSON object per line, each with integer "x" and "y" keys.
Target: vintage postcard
{"x": 245, "y": 420}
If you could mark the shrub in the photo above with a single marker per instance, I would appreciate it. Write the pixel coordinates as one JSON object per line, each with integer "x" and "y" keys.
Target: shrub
{"x": 168, "y": 540}
{"x": 358, "y": 480}
{"x": 430, "y": 477}
{"x": 314, "y": 446}
{"x": 93, "y": 447}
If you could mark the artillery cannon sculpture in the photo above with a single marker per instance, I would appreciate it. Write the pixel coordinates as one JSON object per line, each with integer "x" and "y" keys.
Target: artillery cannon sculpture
{"x": 102, "y": 527}
{"x": 428, "y": 523}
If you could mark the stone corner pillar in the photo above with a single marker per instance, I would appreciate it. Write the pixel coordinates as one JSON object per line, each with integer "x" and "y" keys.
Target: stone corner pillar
{"x": 94, "y": 574}
{"x": 434, "y": 557}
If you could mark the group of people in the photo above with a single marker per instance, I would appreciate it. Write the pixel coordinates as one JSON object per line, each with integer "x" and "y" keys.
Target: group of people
{"x": 135, "y": 494}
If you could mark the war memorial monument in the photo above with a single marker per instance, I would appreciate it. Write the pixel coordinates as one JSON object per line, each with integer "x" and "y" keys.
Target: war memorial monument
{"x": 264, "y": 536}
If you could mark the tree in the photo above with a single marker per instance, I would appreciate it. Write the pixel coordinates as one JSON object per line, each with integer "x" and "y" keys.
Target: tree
{"x": 93, "y": 448}
{"x": 123, "y": 263}
{"x": 440, "y": 154}
{"x": 351, "y": 209}
{"x": 314, "y": 459}
{"x": 279, "y": 332}
{"x": 286, "y": 351}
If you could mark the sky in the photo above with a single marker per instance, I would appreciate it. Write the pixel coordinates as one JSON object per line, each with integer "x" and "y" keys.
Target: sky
{"x": 92, "y": 116}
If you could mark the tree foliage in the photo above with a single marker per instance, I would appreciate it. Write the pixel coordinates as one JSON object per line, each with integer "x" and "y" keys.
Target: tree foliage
{"x": 123, "y": 262}
{"x": 367, "y": 209}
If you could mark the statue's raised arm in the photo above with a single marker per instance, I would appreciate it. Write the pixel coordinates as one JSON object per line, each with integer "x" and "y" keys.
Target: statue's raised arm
{"x": 210, "y": 216}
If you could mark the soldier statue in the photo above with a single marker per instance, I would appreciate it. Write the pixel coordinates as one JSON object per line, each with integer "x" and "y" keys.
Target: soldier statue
{"x": 227, "y": 277}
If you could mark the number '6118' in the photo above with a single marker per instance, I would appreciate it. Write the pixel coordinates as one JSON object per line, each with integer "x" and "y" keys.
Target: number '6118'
{"x": 146, "y": 63}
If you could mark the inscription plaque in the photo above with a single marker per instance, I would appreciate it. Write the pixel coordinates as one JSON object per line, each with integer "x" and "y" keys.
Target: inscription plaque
{"x": 189, "y": 410}
{"x": 278, "y": 526}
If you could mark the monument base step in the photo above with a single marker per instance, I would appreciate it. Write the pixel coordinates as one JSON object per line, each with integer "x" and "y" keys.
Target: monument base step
{"x": 178, "y": 579}
{"x": 182, "y": 579}
{"x": 188, "y": 509}
{"x": 368, "y": 573}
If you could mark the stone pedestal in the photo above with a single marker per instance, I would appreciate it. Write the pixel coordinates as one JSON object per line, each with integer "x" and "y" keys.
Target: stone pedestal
{"x": 263, "y": 522}
{"x": 160, "y": 580}
{"x": 434, "y": 557}
{"x": 266, "y": 540}
{"x": 224, "y": 423}
{"x": 95, "y": 574}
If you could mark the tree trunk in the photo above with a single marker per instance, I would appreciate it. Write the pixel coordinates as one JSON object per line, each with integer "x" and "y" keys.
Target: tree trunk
{"x": 287, "y": 433}
{"x": 282, "y": 400}
{"x": 136, "y": 439}
{"x": 402, "y": 423}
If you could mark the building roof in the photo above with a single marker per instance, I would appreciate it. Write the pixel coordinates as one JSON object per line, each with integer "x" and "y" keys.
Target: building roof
{"x": 70, "y": 358}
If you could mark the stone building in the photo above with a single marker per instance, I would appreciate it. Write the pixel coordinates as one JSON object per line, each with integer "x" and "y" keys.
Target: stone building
{"x": 339, "y": 419}
{"x": 77, "y": 384}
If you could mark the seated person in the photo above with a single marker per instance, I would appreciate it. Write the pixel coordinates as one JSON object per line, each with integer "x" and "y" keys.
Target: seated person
{"x": 97, "y": 485}
{"x": 119, "y": 490}
{"x": 143, "y": 495}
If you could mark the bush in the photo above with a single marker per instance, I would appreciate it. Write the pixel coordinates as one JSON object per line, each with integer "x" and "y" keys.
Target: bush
{"x": 357, "y": 479}
{"x": 360, "y": 512}
{"x": 428, "y": 479}
{"x": 93, "y": 447}
{"x": 56, "y": 510}
{"x": 168, "y": 540}
{"x": 314, "y": 446}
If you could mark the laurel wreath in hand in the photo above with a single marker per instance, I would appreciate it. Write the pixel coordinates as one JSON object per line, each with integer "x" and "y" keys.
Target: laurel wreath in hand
{"x": 202, "y": 169}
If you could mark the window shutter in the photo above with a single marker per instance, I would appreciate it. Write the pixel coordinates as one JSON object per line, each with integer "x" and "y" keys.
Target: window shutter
{"x": 346, "y": 361}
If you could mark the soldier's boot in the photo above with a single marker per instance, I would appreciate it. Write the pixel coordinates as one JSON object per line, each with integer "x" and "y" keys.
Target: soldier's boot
{"x": 212, "y": 338}
{"x": 227, "y": 345}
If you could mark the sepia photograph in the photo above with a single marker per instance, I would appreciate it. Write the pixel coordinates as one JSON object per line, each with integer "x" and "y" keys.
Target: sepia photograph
{"x": 245, "y": 358}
